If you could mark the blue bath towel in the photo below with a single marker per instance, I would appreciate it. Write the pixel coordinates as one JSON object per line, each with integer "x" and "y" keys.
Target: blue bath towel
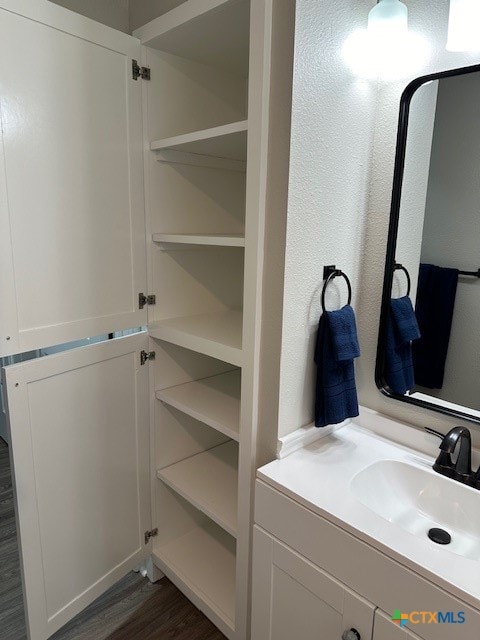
{"x": 402, "y": 328}
{"x": 436, "y": 292}
{"x": 337, "y": 346}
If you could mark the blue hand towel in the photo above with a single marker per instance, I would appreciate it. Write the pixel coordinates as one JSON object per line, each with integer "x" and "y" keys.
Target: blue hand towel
{"x": 343, "y": 330}
{"x": 402, "y": 328}
{"x": 436, "y": 292}
{"x": 337, "y": 346}
{"x": 404, "y": 319}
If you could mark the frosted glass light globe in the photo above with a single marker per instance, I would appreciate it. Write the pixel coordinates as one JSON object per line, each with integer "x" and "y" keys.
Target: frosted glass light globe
{"x": 388, "y": 19}
{"x": 386, "y": 49}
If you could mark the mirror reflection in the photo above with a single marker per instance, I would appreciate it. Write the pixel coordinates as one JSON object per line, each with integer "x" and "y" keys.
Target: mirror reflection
{"x": 431, "y": 342}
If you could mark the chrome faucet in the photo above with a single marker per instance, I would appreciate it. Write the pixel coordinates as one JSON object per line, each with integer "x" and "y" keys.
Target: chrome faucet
{"x": 461, "y": 469}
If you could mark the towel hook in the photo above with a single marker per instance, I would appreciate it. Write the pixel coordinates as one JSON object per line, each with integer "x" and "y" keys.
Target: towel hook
{"x": 329, "y": 273}
{"x": 400, "y": 267}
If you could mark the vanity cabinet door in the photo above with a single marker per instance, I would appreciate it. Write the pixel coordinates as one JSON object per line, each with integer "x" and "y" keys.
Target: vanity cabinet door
{"x": 294, "y": 599}
{"x": 385, "y": 629}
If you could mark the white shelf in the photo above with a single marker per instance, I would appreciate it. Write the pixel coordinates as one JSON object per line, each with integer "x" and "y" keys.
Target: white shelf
{"x": 223, "y": 147}
{"x": 218, "y": 335}
{"x": 215, "y": 401}
{"x": 209, "y": 481}
{"x": 213, "y": 32}
{"x": 212, "y": 239}
{"x": 202, "y": 564}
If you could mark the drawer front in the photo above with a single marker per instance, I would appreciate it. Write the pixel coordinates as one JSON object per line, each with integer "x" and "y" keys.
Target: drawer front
{"x": 381, "y": 580}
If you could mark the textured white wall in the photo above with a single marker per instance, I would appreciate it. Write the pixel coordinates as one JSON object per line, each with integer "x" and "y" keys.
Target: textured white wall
{"x": 452, "y": 228}
{"x": 343, "y": 145}
{"x": 142, "y": 11}
{"x": 332, "y": 137}
{"x": 113, "y": 13}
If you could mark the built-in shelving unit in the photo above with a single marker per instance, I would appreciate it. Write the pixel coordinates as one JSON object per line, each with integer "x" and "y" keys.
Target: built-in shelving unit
{"x": 212, "y": 32}
{"x": 167, "y": 240}
{"x": 209, "y": 481}
{"x": 223, "y": 147}
{"x": 218, "y": 335}
{"x": 197, "y": 166}
{"x": 214, "y": 401}
{"x": 211, "y": 98}
{"x": 202, "y": 564}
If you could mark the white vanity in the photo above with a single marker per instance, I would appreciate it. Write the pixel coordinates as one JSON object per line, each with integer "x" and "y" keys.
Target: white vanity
{"x": 340, "y": 543}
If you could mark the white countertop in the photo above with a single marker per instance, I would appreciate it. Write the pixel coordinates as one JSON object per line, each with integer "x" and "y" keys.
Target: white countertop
{"x": 318, "y": 476}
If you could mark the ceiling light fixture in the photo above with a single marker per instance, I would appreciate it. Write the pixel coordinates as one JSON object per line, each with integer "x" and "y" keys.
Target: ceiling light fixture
{"x": 388, "y": 20}
{"x": 386, "y": 49}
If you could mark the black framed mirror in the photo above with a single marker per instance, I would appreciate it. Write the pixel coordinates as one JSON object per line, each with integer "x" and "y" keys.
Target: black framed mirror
{"x": 429, "y": 339}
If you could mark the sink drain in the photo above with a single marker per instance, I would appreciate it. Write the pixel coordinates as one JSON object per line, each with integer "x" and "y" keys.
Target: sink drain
{"x": 440, "y": 536}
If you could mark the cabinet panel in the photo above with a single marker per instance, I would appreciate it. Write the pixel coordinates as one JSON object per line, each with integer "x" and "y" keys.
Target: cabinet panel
{"x": 79, "y": 434}
{"x": 294, "y": 599}
{"x": 357, "y": 564}
{"x": 73, "y": 176}
{"x": 385, "y": 629}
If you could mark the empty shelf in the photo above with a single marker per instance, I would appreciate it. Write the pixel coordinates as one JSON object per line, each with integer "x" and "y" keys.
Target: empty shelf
{"x": 216, "y": 240}
{"x": 202, "y": 564}
{"x": 218, "y": 335}
{"x": 214, "y": 401}
{"x": 209, "y": 481}
{"x": 213, "y": 32}
{"x": 219, "y": 147}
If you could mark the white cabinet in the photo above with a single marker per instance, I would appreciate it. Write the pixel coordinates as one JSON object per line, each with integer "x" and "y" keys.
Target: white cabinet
{"x": 384, "y": 629}
{"x": 80, "y": 446}
{"x": 72, "y": 239}
{"x": 292, "y": 598}
{"x": 115, "y": 188}
{"x": 311, "y": 571}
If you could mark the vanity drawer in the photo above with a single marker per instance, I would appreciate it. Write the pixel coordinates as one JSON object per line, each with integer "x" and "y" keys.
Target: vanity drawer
{"x": 370, "y": 573}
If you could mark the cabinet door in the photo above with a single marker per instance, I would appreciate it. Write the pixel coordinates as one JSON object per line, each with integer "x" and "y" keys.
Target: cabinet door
{"x": 79, "y": 445}
{"x": 385, "y": 629}
{"x": 72, "y": 233}
{"x": 293, "y": 598}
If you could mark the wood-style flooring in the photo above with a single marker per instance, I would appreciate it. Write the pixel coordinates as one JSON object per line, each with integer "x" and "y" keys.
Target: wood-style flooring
{"x": 134, "y": 609}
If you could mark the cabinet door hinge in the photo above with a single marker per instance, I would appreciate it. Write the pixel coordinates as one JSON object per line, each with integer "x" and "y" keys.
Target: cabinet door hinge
{"x": 146, "y": 355}
{"x": 150, "y": 534}
{"x": 140, "y": 72}
{"x": 143, "y": 300}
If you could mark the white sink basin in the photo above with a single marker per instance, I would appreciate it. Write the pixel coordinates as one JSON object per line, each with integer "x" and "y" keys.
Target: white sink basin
{"x": 388, "y": 496}
{"x": 418, "y": 499}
